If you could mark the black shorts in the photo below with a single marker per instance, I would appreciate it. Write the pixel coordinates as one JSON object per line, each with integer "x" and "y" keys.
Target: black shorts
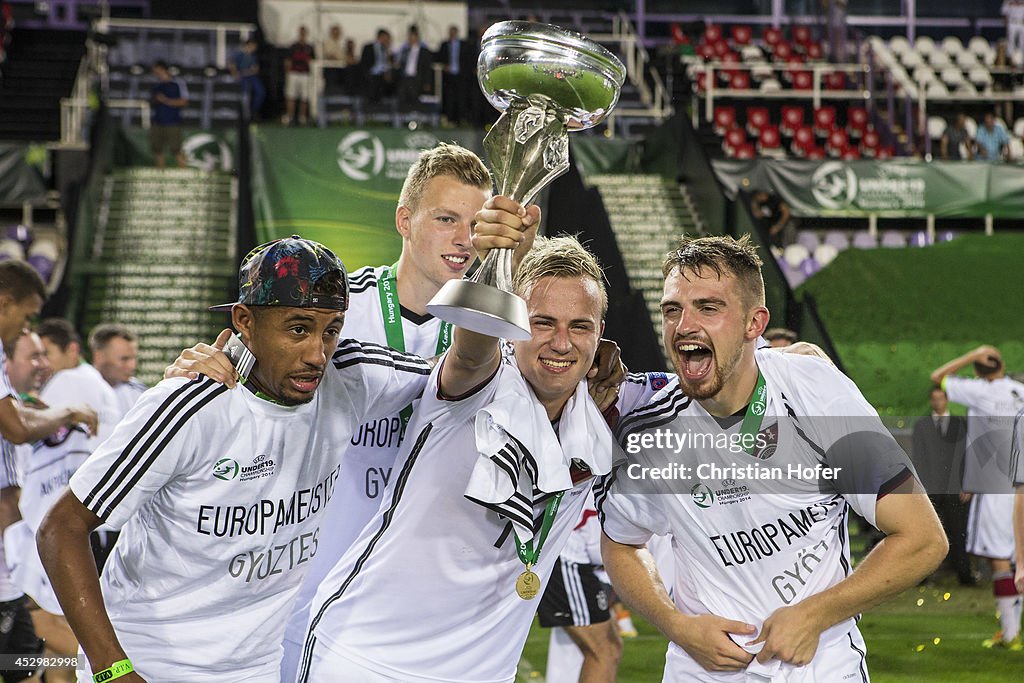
{"x": 574, "y": 597}
{"x": 17, "y": 636}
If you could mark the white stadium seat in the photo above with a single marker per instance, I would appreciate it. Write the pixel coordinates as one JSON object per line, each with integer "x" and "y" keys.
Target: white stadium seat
{"x": 979, "y": 46}
{"x": 899, "y": 44}
{"x": 952, "y": 45}
{"x": 936, "y": 127}
{"x": 967, "y": 59}
{"x": 795, "y": 254}
{"x": 939, "y": 59}
{"x": 923, "y": 75}
{"x": 952, "y": 76}
{"x": 911, "y": 58}
{"x": 925, "y": 45}
{"x": 937, "y": 89}
{"x": 972, "y": 126}
{"x": 1018, "y": 127}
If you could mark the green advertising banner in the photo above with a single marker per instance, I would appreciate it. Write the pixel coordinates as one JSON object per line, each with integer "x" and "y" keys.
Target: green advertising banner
{"x": 210, "y": 150}
{"x": 339, "y": 186}
{"x": 889, "y": 188}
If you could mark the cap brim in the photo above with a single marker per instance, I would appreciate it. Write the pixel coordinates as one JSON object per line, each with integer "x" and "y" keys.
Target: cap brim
{"x": 223, "y": 307}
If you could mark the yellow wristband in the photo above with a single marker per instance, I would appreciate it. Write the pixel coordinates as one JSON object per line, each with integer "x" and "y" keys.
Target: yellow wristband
{"x": 116, "y": 670}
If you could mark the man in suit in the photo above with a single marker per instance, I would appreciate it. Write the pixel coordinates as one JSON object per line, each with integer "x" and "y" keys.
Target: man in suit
{"x": 456, "y": 57}
{"x": 377, "y": 66}
{"x": 938, "y": 453}
{"x": 414, "y": 70}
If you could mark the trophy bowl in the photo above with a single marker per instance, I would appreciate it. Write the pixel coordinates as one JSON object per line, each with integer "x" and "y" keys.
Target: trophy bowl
{"x": 546, "y": 81}
{"x": 519, "y": 59}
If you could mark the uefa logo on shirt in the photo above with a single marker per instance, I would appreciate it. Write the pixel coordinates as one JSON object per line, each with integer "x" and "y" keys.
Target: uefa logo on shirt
{"x": 226, "y": 469}
{"x": 702, "y": 495}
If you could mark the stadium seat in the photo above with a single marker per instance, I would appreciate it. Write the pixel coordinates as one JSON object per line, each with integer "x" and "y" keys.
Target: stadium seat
{"x": 1018, "y": 127}
{"x": 925, "y": 45}
{"x": 809, "y": 239}
{"x": 923, "y": 75}
{"x": 886, "y": 152}
{"x": 838, "y": 141}
{"x": 825, "y": 254}
{"x": 712, "y": 33}
{"x": 769, "y": 142}
{"x": 815, "y": 52}
{"x": 863, "y": 239}
{"x": 11, "y": 250}
{"x": 751, "y": 54}
{"x": 734, "y": 138}
{"x": 725, "y": 118}
{"x": 739, "y": 80}
{"x": 893, "y": 239}
{"x": 870, "y": 142}
{"x": 760, "y": 72}
{"x": 939, "y": 60}
{"x": 971, "y": 125}
{"x": 809, "y": 266}
{"x": 980, "y": 77}
{"x": 834, "y": 80}
{"x": 803, "y": 139}
{"x": 771, "y": 35}
{"x": 782, "y": 51}
{"x": 952, "y": 45}
{"x": 816, "y": 153}
{"x": 838, "y": 239}
{"x": 757, "y": 118}
{"x": 706, "y": 51}
{"x": 795, "y": 254}
{"x": 744, "y": 151}
{"x": 937, "y": 89}
{"x": 919, "y": 239}
{"x": 968, "y": 59}
{"x": 801, "y": 34}
{"x": 850, "y": 153}
{"x": 856, "y": 120}
{"x": 721, "y": 48}
{"x": 899, "y": 45}
{"x": 911, "y": 58}
{"x": 824, "y": 120}
{"x": 947, "y": 235}
{"x": 952, "y": 76}
{"x": 793, "y": 118}
{"x": 801, "y": 80}
{"x": 741, "y": 34}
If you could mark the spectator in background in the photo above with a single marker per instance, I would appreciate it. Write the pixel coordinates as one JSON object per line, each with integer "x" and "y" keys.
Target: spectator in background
{"x": 28, "y": 368}
{"x": 991, "y": 142}
{"x": 377, "y": 65}
{"x": 245, "y": 66}
{"x": 956, "y": 141}
{"x": 938, "y": 454}
{"x": 296, "y": 82}
{"x": 775, "y": 218}
{"x": 778, "y": 337}
{"x": 169, "y": 97}
{"x": 333, "y": 51}
{"x": 456, "y": 58}
{"x": 74, "y": 380}
{"x": 414, "y": 70}
{"x": 115, "y": 352}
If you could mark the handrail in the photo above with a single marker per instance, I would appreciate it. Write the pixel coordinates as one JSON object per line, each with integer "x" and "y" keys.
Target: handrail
{"x": 220, "y": 28}
{"x": 74, "y": 109}
{"x": 638, "y": 69}
{"x": 142, "y": 105}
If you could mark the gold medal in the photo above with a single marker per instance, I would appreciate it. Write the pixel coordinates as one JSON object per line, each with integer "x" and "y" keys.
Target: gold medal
{"x": 528, "y": 585}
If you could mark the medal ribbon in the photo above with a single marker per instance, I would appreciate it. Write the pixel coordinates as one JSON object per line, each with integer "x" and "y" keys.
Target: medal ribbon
{"x": 391, "y": 310}
{"x": 529, "y": 552}
{"x": 755, "y": 414}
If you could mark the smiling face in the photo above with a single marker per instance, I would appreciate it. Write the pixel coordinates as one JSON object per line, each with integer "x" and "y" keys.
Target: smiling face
{"x": 292, "y": 347}
{"x": 28, "y": 368}
{"x": 708, "y": 323}
{"x": 566, "y": 322}
{"x": 117, "y": 360}
{"x": 436, "y": 229}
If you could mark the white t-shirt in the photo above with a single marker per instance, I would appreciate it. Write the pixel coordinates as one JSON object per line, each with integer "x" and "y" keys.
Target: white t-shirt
{"x": 368, "y": 460}
{"x": 220, "y": 497}
{"x": 8, "y": 478}
{"x": 427, "y": 591}
{"x": 990, "y": 410}
{"x": 128, "y": 394}
{"x": 1017, "y": 450}
{"x": 743, "y": 546}
{"x": 84, "y": 384}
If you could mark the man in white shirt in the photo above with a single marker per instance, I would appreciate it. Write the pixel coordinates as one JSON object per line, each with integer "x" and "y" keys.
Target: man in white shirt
{"x": 1017, "y": 472}
{"x": 762, "y": 565}
{"x": 221, "y": 493}
{"x": 494, "y": 475}
{"x": 992, "y": 399}
{"x": 115, "y": 353}
{"x": 73, "y": 379}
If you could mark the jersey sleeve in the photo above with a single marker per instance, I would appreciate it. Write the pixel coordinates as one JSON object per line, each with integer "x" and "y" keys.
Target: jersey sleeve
{"x": 627, "y": 517}
{"x": 5, "y": 382}
{"x": 964, "y": 390}
{"x": 8, "y": 465}
{"x": 1017, "y": 450}
{"x": 378, "y": 380}
{"x": 154, "y": 443}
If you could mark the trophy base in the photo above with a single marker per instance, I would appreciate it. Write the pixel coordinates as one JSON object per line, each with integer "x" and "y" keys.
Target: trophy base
{"x": 482, "y": 309}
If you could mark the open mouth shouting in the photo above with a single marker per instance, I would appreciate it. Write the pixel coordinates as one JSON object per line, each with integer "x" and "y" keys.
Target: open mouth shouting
{"x": 305, "y": 384}
{"x": 456, "y": 262}
{"x": 696, "y": 360}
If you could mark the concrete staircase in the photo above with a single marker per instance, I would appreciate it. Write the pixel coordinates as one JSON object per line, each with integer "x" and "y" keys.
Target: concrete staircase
{"x": 648, "y": 213}
{"x": 163, "y": 251}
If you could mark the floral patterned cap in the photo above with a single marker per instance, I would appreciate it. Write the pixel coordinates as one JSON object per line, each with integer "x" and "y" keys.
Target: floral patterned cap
{"x": 285, "y": 273}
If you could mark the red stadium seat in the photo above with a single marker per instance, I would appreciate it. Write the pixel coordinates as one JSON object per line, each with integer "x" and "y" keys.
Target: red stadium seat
{"x": 712, "y": 33}
{"x": 850, "y": 153}
{"x": 801, "y": 34}
{"x": 742, "y": 34}
{"x": 725, "y": 118}
{"x": 814, "y": 51}
{"x": 803, "y": 137}
{"x": 870, "y": 143}
{"x": 816, "y": 153}
{"x": 731, "y": 57}
{"x": 721, "y": 48}
{"x": 769, "y": 140}
{"x": 744, "y": 151}
{"x": 837, "y": 142}
{"x": 782, "y": 51}
{"x": 802, "y": 80}
{"x": 834, "y": 80}
{"x": 792, "y": 118}
{"x": 771, "y": 35}
{"x": 824, "y": 120}
{"x": 739, "y": 80}
{"x": 885, "y": 152}
{"x": 734, "y": 137}
{"x": 706, "y": 51}
{"x": 701, "y": 80}
{"x": 857, "y": 120}
{"x": 757, "y": 118}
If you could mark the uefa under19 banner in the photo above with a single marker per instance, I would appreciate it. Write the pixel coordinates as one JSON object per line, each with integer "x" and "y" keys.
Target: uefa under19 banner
{"x": 339, "y": 186}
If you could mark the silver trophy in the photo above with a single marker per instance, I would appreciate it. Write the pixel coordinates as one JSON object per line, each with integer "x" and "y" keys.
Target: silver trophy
{"x": 547, "y": 81}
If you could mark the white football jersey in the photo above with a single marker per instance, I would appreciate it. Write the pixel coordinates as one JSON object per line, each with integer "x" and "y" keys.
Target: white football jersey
{"x": 84, "y": 384}
{"x": 368, "y": 460}
{"x": 745, "y": 545}
{"x": 128, "y": 394}
{"x": 8, "y": 477}
{"x": 453, "y": 562}
{"x": 990, "y": 410}
{"x": 1017, "y": 450}
{"x": 220, "y": 497}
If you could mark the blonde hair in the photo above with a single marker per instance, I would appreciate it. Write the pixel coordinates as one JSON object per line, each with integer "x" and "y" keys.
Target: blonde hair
{"x": 720, "y": 254}
{"x": 443, "y": 160}
{"x": 559, "y": 257}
